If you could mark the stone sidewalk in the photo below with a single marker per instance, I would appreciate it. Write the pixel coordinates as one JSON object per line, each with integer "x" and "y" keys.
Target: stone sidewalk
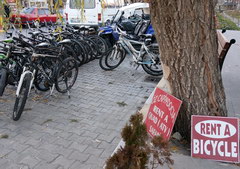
{"x": 78, "y": 133}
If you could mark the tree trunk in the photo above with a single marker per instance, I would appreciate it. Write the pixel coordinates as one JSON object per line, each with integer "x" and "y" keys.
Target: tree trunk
{"x": 186, "y": 33}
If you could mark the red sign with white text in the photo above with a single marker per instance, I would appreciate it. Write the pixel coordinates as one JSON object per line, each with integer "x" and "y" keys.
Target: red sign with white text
{"x": 215, "y": 138}
{"x": 162, "y": 114}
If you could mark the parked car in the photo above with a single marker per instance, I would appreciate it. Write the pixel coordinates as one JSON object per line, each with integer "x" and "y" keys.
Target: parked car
{"x": 94, "y": 13}
{"x": 33, "y": 14}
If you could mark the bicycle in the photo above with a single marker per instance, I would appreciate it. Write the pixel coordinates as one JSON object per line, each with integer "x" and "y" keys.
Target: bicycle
{"x": 61, "y": 73}
{"x": 143, "y": 52}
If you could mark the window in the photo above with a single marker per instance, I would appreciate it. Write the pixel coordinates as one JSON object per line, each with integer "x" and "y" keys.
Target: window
{"x": 76, "y": 4}
{"x": 138, "y": 12}
{"x": 47, "y": 12}
{"x": 27, "y": 10}
{"x": 38, "y": 4}
{"x": 41, "y": 12}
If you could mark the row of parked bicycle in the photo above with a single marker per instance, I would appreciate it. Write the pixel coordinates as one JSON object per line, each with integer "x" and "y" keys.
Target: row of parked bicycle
{"x": 49, "y": 60}
{"x": 46, "y": 60}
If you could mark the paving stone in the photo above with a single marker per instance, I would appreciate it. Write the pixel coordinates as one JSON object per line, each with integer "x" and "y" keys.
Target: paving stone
{"x": 95, "y": 160}
{"x": 30, "y": 161}
{"x": 62, "y": 161}
{"x": 14, "y": 166}
{"x": 79, "y": 165}
{"x": 18, "y": 147}
{"x": 44, "y": 165}
{"x": 33, "y": 142}
{"x": 62, "y": 142}
{"x": 4, "y": 152}
{"x": 93, "y": 151}
{"x": 47, "y": 156}
{"x": 76, "y": 155}
{"x": 107, "y": 138}
{"x": 77, "y": 146}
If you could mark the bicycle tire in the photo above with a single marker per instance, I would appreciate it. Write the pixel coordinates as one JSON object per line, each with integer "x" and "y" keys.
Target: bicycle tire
{"x": 148, "y": 67}
{"x": 102, "y": 60}
{"x": 88, "y": 50}
{"x": 22, "y": 98}
{"x": 64, "y": 72}
{"x": 40, "y": 82}
{"x": 81, "y": 56}
{"x": 114, "y": 58}
{"x": 68, "y": 52}
{"x": 49, "y": 67}
{"x": 3, "y": 80}
{"x": 93, "y": 47}
{"x": 101, "y": 43}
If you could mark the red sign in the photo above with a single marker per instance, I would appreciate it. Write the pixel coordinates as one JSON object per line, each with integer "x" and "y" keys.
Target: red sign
{"x": 11, "y": 1}
{"x": 215, "y": 138}
{"x": 162, "y": 114}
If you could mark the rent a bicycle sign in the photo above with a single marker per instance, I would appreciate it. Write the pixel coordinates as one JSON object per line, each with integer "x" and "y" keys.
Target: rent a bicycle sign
{"x": 215, "y": 138}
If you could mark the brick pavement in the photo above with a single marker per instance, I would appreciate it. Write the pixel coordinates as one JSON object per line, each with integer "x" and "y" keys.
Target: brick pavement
{"x": 78, "y": 133}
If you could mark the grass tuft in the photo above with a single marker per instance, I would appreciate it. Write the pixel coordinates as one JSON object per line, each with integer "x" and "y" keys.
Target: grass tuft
{"x": 73, "y": 120}
{"x": 3, "y": 136}
{"x": 121, "y": 104}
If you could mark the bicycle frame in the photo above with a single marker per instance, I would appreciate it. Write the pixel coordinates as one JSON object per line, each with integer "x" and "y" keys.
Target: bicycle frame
{"x": 22, "y": 77}
{"x": 127, "y": 46}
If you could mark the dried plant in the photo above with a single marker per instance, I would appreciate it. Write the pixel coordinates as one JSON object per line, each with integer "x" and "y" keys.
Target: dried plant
{"x": 138, "y": 149}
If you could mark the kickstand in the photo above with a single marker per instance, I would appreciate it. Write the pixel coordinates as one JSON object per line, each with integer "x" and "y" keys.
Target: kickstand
{"x": 51, "y": 89}
{"x": 137, "y": 67}
{"x": 68, "y": 92}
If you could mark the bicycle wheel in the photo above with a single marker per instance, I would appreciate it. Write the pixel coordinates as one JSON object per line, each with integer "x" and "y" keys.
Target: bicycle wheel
{"x": 101, "y": 43}
{"x": 94, "y": 48}
{"x": 22, "y": 98}
{"x": 68, "y": 52}
{"x": 66, "y": 75}
{"x": 114, "y": 58}
{"x": 80, "y": 52}
{"x": 88, "y": 51}
{"x": 102, "y": 60}
{"x": 3, "y": 80}
{"x": 41, "y": 82}
{"x": 148, "y": 65}
{"x": 48, "y": 66}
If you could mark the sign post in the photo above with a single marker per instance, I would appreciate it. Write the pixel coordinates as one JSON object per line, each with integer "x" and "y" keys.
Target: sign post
{"x": 162, "y": 114}
{"x": 215, "y": 138}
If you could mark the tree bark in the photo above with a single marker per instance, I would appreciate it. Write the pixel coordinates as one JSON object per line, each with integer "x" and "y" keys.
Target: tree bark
{"x": 186, "y": 33}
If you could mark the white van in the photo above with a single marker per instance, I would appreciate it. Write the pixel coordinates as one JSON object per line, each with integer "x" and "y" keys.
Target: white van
{"x": 93, "y": 13}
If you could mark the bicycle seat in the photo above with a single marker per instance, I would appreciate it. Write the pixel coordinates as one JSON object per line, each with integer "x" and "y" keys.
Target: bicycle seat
{"x": 34, "y": 33}
{"x": 65, "y": 41}
{"x": 84, "y": 28}
{"x": 43, "y": 45}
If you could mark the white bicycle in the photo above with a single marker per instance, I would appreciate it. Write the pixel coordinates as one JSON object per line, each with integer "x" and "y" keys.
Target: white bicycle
{"x": 143, "y": 52}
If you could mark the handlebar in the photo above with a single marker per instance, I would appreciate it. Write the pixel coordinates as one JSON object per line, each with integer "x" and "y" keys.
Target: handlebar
{"x": 23, "y": 42}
